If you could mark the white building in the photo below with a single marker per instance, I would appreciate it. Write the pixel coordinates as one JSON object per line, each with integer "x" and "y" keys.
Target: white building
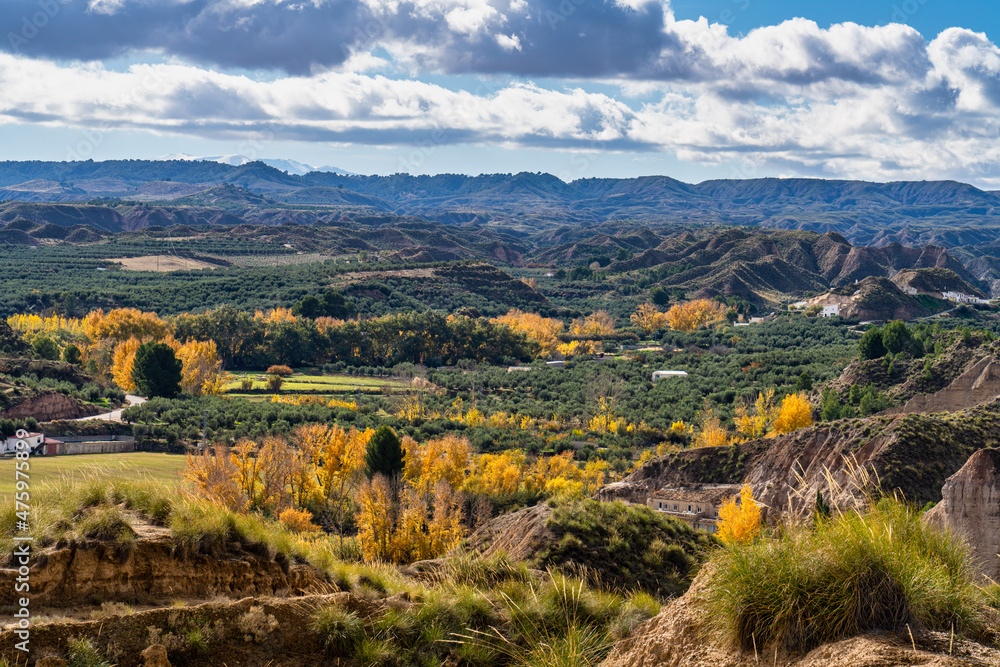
{"x": 964, "y": 298}
{"x": 666, "y": 374}
{"x": 9, "y": 445}
{"x": 831, "y": 311}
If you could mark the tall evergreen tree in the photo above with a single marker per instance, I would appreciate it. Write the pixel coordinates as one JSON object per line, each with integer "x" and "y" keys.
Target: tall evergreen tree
{"x": 157, "y": 371}
{"x": 384, "y": 454}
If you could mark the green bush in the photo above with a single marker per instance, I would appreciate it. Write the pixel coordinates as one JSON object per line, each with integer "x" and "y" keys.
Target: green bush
{"x": 342, "y": 630}
{"x": 83, "y": 653}
{"x": 880, "y": 570}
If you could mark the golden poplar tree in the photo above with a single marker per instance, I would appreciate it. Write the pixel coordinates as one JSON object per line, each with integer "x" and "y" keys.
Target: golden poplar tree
{"x": 755, "y": 422}
{"x": 542, "y": 330}
{"x": 441, "y": 459}
{"x": 794, "y": 413}
{"x": 598, "y": 323}
{"x": 375, "y": 519}
{"x": 123, "y": 362}
{"x": 215, "y": 475}
{"x": 739, "y": 522}
{"x": 694, "y": 314}
{"x": 711, "y": 432}
{"x": 202, "y": 368}
{"x": 446, "y": 528}
{"x": 649, "y": 318}
{"x": 497, "y": 475}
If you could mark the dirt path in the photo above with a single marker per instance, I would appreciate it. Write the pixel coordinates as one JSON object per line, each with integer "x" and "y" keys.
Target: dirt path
{"x": 115, "y": 415}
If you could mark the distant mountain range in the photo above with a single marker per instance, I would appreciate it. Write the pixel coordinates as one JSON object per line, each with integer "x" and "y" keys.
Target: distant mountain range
{"x": 287, "y": 166}
{"x": 553, "y": 221}
{"x": 911, "y": 213}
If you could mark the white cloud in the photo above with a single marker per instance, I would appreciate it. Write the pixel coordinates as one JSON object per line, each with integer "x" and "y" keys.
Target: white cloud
{"x": 846, "y": 101}
{"x": 508, "y": 42}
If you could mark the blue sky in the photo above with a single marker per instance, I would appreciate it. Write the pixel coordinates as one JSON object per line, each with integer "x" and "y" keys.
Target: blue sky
{"x": 876, "y": 90}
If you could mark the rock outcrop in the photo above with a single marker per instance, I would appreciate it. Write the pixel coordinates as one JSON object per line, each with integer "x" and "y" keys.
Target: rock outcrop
{"x": 519, "y": 534}
{"x": 979, "y": 384}
{"x": 971, "y": 508}
{"x": 152, "y": 567}
{"x": 49, "y": 407}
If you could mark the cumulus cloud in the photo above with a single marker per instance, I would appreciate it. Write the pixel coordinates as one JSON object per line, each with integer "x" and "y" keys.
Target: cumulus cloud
{"x": 333, "y": 107}
{"x": 849, "y": 100}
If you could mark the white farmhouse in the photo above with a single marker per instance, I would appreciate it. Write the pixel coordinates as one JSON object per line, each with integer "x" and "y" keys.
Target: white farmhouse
{"x": 666, "y": 374}
{"x": 9, "y": 445}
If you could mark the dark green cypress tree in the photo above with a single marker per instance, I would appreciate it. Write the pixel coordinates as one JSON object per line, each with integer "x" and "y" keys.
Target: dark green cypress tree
{"x": 384, "y": 454}
{"x": 157, "y": 371}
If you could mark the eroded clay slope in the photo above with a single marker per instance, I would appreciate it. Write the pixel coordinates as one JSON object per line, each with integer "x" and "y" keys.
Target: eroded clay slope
{"x": 152, "y": 567}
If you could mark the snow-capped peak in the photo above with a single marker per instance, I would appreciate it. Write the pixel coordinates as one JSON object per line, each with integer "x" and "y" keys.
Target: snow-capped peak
{"x": 287, "y": 166}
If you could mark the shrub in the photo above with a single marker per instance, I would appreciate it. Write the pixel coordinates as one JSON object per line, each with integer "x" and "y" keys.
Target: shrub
{"x": 256, "y": 625}
{"x": 300, "y": 521}
{"x": 341, "y": 629}
{"x": 852, "y": 574}
{"x": 274, "y": 383}
{"x": 83, "y": 653}
{"x": 279, "y": 369}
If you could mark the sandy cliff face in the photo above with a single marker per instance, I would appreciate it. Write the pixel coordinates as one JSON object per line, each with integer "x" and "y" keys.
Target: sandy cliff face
{"x": 971, "y": 507}
{"x": 152, "y": 567}
{"x": 978, "y": 384}
{"x": 49, "y": 407}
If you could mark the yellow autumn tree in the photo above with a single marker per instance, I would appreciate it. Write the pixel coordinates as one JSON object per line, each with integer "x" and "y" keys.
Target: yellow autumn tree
{"x": 275, "y": 315}
{"x": 542, "y": 330}
{"x": 215, "y": 476}
{"x": 756, "y": 421}
{"x": 124, "y": 323}
{"x": 496, "y": 474}
{"x": 598, "y": 323}
{"x": 409, "y": 540}
{"x": 201, "y": 373}
{"x": 695, "y": 314}
{"x": 575, "y": 347}
{"x": 375, "y": 519}
{"x": 337, "y": 458}
{"x": 410, "y": 529}
{"x": 442, "y": 459}
{"x": 56, "y": 327}
{"x": 739, "y": 521}
{"x": 264, "y": 472}
{"x": 123, "y": 362}
{"x": 711, "y": 432}
{"x": 649, "y": 318}
{"x": 562, "y": 476}
{"x": 446, "y": 528}
{"x": 794, "y": 413}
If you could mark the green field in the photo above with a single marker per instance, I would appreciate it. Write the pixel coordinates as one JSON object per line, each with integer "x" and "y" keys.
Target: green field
{"x": 333, "y": 383}
{"x": 163, "y": 469}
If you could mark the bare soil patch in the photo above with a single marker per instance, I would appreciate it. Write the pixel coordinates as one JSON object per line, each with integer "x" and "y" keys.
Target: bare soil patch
{"x": 163, "y": 263}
